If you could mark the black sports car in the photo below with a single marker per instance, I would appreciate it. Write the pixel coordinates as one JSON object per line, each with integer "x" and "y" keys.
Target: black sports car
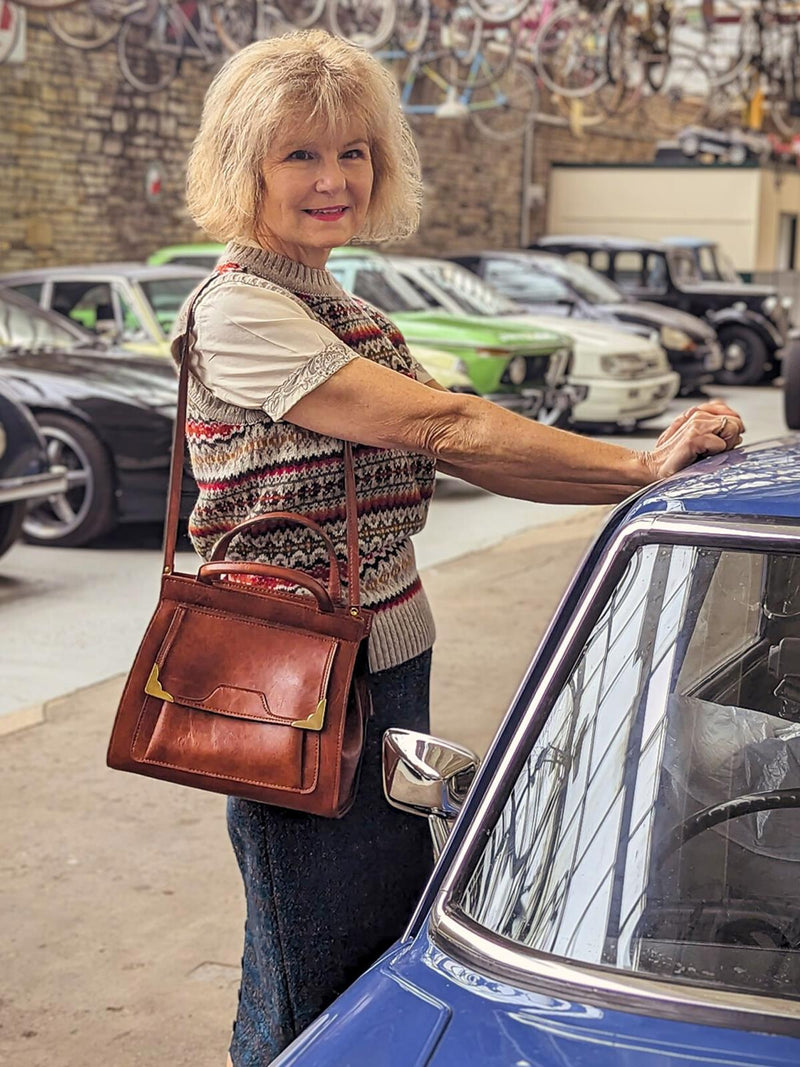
{"x": 25, "y": 471}
{"x": 106, "y": 415}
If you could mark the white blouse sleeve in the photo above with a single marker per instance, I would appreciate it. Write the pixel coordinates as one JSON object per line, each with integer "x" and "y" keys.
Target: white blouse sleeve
{"x": 257, "y": 348}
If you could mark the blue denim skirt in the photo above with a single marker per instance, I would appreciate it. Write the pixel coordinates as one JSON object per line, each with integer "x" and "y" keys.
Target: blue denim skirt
{"x": 325, "y": 897}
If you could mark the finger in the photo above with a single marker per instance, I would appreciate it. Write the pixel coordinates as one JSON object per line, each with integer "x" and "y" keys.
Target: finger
{"x": 719, "y": 407}
{"x": 709, "y": 444}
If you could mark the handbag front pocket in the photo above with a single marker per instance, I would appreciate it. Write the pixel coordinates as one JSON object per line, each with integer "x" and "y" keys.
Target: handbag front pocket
{"x": 200, "y": 709}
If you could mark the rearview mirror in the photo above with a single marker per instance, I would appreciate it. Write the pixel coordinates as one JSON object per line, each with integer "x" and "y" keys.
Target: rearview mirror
{"x": 424, "y": 775}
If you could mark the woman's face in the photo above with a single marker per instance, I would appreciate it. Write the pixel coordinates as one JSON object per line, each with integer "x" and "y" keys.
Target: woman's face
{"x": 317, "y": 188}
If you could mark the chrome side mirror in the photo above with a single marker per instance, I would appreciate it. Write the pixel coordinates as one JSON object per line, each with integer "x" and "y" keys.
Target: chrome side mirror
{"x": 424, "y": 775}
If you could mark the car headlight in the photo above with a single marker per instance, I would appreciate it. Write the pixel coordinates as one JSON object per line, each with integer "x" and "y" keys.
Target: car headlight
{"x": 769, "y": 304}
{"x": 675, "y": 339}
{"x": 787, "y": 303}
{"x": 517, "y": 370}
{"x": 622, "y": 366}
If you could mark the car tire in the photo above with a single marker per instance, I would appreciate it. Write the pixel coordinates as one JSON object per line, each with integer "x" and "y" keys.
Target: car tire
{"x": 11, "y": 519}
{"x": 756, "y": 356}
{"x": 87, "y": 510}
{"x": 791, "y": 387}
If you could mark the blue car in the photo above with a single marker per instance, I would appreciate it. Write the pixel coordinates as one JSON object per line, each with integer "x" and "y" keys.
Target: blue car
{"x": 619, "y": 883}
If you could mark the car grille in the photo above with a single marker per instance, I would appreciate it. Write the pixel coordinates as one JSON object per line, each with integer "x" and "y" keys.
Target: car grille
{"x": 543, "y": 370}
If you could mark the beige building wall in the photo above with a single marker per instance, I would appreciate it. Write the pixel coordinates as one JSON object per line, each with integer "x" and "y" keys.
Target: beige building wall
{"x": 779, "y": 195}
{"x": 722, "y": 204}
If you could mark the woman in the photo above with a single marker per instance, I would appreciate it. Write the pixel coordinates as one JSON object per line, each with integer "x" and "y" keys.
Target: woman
{"x": 303, "y": 147}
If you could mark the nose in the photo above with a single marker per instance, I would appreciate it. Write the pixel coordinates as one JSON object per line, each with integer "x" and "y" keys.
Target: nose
{"x": 330, "y": 178}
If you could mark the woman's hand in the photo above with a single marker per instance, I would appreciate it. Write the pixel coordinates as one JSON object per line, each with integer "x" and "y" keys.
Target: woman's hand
{"x": 701, "y": 431}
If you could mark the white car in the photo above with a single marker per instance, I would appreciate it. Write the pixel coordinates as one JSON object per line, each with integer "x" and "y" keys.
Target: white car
{"x": 628, "y": 376}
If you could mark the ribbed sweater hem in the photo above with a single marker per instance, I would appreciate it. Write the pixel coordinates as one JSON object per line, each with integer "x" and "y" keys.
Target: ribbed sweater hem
{"x": 400, "y": 633}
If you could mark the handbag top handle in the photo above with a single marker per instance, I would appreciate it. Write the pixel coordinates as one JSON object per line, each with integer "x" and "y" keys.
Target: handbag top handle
{"x": 176, "y": 474}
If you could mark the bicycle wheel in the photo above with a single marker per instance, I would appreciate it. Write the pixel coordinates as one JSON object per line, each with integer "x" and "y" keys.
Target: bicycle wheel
{"x": 235, "y": 23}
{"x": 506, "y": 109}
{"x": 368, "y": 23}
{"x": 302, "y": 13}
{"x": 496, "y": 52}
{"x": 45, "y": 5}
{"x": 684, "y": 100}
{"x": 9, "y": 36}
{"x": 731, "y": 45}
{"x": 411, "y": 24}
{"x": 570, "y": 51}
{"x": 87, "y": 26}
{"x": 498, "y": 11}
{"x": 145, "y": 61}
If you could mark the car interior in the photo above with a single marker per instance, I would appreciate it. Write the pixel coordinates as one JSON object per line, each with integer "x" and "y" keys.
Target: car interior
{"x": 723, "y": 900}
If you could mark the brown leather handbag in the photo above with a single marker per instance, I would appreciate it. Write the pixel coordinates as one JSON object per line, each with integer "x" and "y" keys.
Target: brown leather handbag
{"x": 244, "y": 690}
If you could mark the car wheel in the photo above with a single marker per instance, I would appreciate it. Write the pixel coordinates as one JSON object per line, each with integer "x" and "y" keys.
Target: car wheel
{"x": 752, "y": 352}
{"x": 11, "y": 519}
{"x": 86, "y": 510}
{"x": 791, "y": 387}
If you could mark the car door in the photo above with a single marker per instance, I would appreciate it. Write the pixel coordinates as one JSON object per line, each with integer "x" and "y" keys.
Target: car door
{"x": 581, "y": 913}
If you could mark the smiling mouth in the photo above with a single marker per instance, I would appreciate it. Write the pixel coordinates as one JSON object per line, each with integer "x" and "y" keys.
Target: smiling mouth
{"x": 326, "y": 212}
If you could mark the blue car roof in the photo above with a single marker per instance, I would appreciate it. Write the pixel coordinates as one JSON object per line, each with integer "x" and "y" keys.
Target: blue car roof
{"x": 755, "y": 481}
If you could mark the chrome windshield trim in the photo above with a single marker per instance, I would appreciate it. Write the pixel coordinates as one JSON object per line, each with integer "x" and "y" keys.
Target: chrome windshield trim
{"x": 729, "y": 532}
{"x": 474, "y": 946}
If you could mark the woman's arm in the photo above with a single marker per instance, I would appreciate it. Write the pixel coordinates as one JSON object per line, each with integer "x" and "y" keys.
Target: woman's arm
{"x": 494, "y": 448}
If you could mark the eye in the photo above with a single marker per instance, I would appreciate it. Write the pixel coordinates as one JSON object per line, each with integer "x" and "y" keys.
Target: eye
{"x": 355, "y": 153}
{"x": 300, "y": 153}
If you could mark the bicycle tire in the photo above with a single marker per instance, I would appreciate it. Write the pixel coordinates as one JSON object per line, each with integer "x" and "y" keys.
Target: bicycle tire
{"x": 133, "y": 42}
{"x": 45, "y": 5}
{"x": 566, "y": 22}
{"x": 745, "y": 51}
{"x": 496, "y": 58}
{"x": 235, "y": 24}
{"x": 12, "y": 36}
{"x": 511, "y": 9}
{"x": 370, "y": 38}
{"x": 412, "y": 32}
{"x": 510, "y": 121}
{"x": 81, "y": 27}
{"x": 314, "y": 10}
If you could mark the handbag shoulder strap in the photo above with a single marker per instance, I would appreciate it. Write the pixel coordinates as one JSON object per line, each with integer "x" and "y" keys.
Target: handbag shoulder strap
{"x": 176, "y": 471}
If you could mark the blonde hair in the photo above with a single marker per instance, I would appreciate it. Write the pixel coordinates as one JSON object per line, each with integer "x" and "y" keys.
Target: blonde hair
{"x": 313, "y": 79}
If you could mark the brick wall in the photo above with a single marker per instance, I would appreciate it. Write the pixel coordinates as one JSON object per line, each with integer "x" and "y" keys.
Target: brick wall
{"x": 76, "y": 142}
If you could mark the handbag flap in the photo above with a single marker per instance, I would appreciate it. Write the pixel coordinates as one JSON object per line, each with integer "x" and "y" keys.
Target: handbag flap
{"x": 243, "y": 667}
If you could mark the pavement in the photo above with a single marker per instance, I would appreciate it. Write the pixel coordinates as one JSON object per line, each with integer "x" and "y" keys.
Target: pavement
{"x": 123, "y": 909}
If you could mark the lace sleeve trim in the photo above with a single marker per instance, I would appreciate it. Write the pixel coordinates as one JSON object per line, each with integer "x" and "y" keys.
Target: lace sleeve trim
{"x": 305, "y": 379}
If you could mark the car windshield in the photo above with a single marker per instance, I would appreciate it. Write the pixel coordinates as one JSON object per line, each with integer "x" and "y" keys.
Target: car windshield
{"x": 715, "y": 265}
{"x": 470, "y": 292}
{"x": 588, "y": 283}
{"x": 654, "y": 827}
{"x": 166, "y": 295}
{"x": 380, "y": 284}
{"x": 23, "y": 327}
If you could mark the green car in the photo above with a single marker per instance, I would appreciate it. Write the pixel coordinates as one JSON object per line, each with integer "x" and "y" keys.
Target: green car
{"x": 519, "y": 367}
{"x": 203, "y": 255}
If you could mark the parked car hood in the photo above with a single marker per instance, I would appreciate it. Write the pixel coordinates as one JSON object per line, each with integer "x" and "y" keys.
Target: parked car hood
{"x": 148, "y": 381}
{"x": 442, "y": 330}
{"x": 596, "y": 338}
{"x": 658, "y": 315}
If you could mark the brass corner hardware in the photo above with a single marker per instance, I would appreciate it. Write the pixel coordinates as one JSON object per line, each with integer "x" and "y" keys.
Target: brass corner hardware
{"x": 314, "y": 720}
{"x": 153, "y": 686}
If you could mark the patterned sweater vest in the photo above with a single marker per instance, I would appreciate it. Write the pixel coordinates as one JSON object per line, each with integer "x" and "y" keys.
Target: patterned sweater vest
{"x": 247, "y": 465}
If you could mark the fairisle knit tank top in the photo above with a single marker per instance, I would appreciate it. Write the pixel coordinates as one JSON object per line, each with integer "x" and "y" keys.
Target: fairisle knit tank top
{"x": 245, "y": 464}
